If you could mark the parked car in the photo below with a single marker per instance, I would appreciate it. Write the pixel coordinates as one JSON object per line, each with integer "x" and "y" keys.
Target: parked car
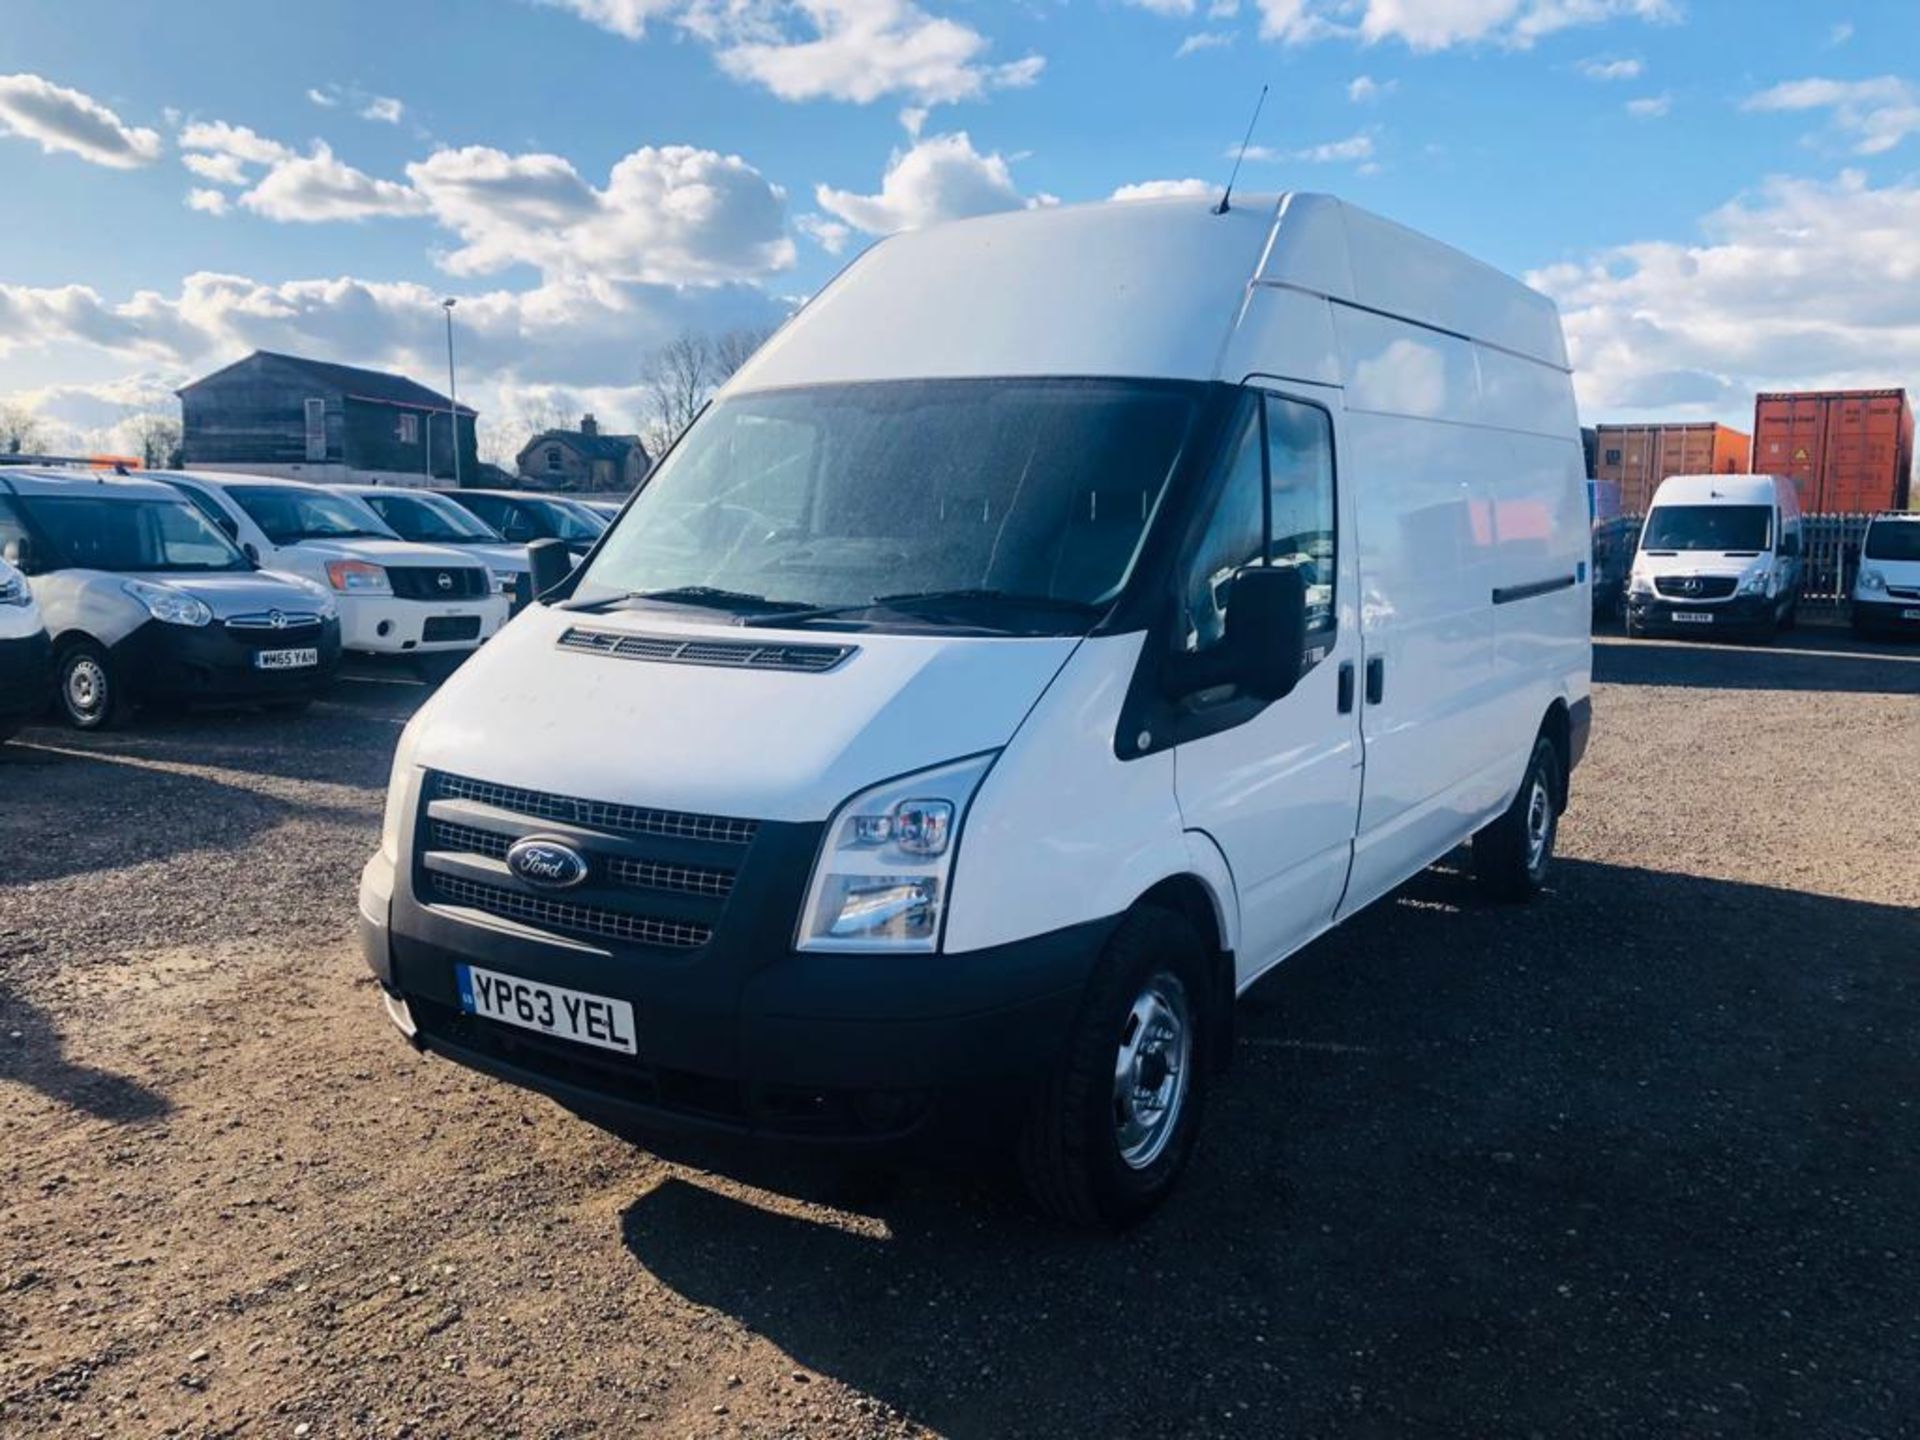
{"x": 1718, "y": 554}
{"x": 1886, "y": 591}
{"x": 607, "y": 510}
{"x": 429, "y": 518}
{"x": 429, "y": 602}
{"x": 523, "y": 517}
{"x": 147, "y": 601}
{"x": 968, "y": 785}
{"x": 26, "y": 654}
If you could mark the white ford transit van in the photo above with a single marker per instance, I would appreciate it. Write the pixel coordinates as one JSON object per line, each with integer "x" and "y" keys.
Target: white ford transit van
{"x": 1064, "y": 619}
{"x": 1718, "y": 553}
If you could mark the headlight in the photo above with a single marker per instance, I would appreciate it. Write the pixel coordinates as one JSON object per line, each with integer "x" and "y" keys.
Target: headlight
{"x": 1758, "y": 583}
{"x": 1638, "y": 584}
{"x": 505, "y": 580}
{"x": 357, "y": 577}
{"x": 881, "y": 882}
{"x": 163, "y": 602}
{"x": 1872, "y": 579}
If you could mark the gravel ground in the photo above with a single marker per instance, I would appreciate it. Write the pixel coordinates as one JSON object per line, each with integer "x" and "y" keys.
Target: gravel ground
{"x": 1642, "y": 1158}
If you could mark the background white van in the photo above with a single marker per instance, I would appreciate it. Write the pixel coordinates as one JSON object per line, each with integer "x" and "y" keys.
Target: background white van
{"x": 1718, "y": 554}
{"x": 395, "y": 597}
{"x": 1886, "y": 589}
{"x": 1064, "y": 619}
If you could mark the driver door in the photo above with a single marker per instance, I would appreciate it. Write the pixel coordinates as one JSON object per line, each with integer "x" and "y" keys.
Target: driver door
{"x": 1279, "y": 793}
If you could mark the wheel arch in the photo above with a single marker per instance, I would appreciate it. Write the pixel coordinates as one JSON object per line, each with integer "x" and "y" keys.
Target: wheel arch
{"x": 1197, "y": 902}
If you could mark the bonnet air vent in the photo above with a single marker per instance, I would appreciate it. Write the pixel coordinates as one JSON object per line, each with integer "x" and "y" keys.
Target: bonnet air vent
{"x": 728, "y": 654}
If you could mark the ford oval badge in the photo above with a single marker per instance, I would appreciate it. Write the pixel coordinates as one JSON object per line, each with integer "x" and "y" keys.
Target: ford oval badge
{"x": 553, "y": 864}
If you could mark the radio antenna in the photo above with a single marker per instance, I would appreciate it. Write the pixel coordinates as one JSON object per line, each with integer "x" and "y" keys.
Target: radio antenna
{"x": 1227, "y": 193}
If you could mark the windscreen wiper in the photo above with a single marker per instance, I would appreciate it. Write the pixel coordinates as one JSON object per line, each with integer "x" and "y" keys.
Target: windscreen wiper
{"x": 924, "y": 598}
{"x": 711, "y": 596}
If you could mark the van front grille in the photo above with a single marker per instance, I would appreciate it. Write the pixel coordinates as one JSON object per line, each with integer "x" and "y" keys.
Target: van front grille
{"x": 596, "y": 814}
{"x": 439, "y": 582}
{"x": 567, "y": 917}
{"x": 455, "y": 838}
{"x": 1695, "y": 587}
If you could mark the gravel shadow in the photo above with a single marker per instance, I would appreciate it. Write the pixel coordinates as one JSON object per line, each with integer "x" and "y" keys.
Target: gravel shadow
{"x": 33, "y": 1053}
{"x": 1809, "y": 660}
{"x": 1641, "y": 1158}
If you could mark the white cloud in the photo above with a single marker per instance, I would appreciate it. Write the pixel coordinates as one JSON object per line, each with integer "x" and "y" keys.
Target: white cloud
{"x": 383, "y": 108}
{"x": 1598, "y": 69}
{"x": 220, "y": 169}
{"x": 1650, "y": 107}
{"x": 1203, "y": 40}
{"x": 64, "y": 121}
{"x": 858, "y": 50}
{"x": 1807, "y": 285}
{"x": 1364, "y": 89}
{"x": 1840, "y": 34}
{"x": 671, "y": 214}
{"x": 1332, "y": 152}
{"x": 1442, "y": 24}
{"x": 219, "y": 138}
{"x": 208, "y": 202}
{"x": 1874, "y": 115}
{"x": 940, "y": 178}
{"x": 1168, "y": 190}
{"x": 570, "y": 332}
{"x": 1176, "y": 8}
{"x": 311, "y": 189}
{"x": 327, "y": 99}
{"x": 830, "y": 235}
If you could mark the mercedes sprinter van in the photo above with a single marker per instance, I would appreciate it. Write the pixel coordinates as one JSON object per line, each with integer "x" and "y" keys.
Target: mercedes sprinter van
{"x": 1718, "y": 554}
{"x": 1065, "y": 618}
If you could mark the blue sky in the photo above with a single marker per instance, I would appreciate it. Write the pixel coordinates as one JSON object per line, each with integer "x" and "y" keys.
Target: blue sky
{"x": 1722, "y": 195}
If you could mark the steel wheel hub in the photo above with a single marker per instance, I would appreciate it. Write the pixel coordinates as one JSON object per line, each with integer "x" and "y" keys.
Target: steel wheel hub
{"x": 86, "y": 683}
{"x": 1150, "y": 1071}
{"x": 1539, "y": 823}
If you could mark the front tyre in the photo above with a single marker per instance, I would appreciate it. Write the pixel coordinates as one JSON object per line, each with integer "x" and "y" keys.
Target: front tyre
{"x": 90, "y": 694}
{"x": 1513, "y": 855}
{"x": 1113, "y": 1126}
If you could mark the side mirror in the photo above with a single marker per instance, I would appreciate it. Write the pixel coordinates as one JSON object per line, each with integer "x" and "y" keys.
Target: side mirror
{"x": 251, "y": 553}
{"x": 1265, "y": 640}
{"x": 550, "y": 562}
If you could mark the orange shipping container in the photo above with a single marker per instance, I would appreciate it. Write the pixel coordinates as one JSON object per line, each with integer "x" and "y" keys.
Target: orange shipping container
{"x": 1847, "y": 451}
{"x": 1638, "y": 457}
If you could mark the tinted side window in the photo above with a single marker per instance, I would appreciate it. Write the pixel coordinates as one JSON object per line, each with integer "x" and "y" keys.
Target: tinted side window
{"x": 1235, "y": 537}
{"x": 1300, "y": 481}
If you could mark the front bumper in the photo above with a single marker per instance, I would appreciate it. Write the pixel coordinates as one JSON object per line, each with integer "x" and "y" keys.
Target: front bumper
{"x": 748, "y": 1037}
{"x": 1739, "y": 612}
{"x": 385, "y": 625}
{"x": 187, "y": 663}
{"x": 26, "y": 676}
{"x": 1886, "y": 614}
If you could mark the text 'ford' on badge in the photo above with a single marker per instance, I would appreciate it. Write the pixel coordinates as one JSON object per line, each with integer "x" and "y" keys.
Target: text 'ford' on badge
{"x": 552, "y": 863}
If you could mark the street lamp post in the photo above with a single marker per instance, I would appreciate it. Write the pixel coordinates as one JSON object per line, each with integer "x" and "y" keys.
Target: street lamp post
{"x": 453, "y": 394}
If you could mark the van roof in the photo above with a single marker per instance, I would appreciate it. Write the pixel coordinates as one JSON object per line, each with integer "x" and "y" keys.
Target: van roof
{"x": 60, "y": 480}
{"x": 1707, "y": 489}
{"x": 1131, "y": 288}
{"x": 234, "y": 477}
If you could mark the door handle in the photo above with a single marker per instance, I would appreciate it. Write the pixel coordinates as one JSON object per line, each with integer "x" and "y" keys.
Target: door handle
{"x": 1346, "y": 687}
{"x": 1376, "y": 679}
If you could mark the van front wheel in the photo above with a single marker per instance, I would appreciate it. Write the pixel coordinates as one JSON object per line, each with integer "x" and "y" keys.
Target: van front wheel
{"x": 1512, "y": 856}
{"x": 1113, "y": 1126}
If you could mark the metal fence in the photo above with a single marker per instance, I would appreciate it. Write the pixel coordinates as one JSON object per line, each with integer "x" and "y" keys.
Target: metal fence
{"x": 1829, "y": 555}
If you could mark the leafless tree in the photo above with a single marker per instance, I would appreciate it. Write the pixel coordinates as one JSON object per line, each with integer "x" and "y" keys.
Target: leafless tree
{"x": 158, "y": 437}
{"x": 681, "y": 374}
{"x": 21, "y": 432}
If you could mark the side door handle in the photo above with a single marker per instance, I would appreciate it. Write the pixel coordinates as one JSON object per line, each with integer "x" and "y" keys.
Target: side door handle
{"x": 1346, "y": 687}
{"x": 1376, "y": 679}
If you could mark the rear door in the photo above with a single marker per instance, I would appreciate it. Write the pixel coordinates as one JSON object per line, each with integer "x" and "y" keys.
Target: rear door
{"x": 1279, "y": 793}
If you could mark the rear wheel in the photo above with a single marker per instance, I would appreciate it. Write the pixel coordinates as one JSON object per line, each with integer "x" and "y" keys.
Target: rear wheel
{"x": 1113, "y": 1127}
{"x": 90, "y": 693}
{"x": 1514, "y": 854}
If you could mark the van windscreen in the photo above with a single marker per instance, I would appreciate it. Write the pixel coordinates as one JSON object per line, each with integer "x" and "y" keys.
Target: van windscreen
{"x": 836, "y": 495}
{"x": 1709, "y": 527}
{"x": 1893, "y": 540}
